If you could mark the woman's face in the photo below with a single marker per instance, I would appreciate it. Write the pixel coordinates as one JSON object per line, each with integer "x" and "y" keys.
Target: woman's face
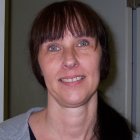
{"x": 71, "y": 69}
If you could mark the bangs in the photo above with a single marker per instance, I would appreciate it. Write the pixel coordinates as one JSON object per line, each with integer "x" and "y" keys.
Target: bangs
{"x": 57, "y": 19}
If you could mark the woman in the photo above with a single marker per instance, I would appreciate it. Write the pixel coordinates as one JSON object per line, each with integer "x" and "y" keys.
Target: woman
{"x": 69, "y": 55}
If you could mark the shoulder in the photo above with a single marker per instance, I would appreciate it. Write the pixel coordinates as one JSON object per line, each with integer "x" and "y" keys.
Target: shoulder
{"x": 16, "y": 127}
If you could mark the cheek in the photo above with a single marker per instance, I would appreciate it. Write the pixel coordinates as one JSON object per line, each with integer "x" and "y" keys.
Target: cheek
{"x": 46, "y": 68}
{"x": 49, "y": 68}
{"x": 92, "y": 63}
{"x": 48, "y": 74}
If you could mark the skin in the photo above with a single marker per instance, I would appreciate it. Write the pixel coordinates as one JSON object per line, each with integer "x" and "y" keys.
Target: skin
{"x": 71, "y": 69}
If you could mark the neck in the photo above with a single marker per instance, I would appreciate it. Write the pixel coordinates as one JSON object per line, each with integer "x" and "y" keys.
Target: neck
{"x": 73, "y": 123}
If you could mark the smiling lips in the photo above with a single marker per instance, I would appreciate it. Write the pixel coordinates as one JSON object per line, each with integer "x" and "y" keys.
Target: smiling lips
{"x": 73, "y": 79}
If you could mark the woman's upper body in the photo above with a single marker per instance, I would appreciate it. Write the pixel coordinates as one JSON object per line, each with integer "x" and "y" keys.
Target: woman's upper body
{"x": 68, "y": 48}
{"x": 70, "y": 57}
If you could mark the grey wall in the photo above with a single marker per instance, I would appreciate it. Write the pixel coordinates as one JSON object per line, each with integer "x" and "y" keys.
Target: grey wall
{"x": 25, "y": 92}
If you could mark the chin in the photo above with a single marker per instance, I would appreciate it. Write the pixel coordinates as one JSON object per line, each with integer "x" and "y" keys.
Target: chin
{"x": 75, "y": 102}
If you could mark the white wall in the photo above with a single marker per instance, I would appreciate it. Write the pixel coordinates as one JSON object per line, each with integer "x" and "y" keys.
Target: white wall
{"x": 2, "y": 19}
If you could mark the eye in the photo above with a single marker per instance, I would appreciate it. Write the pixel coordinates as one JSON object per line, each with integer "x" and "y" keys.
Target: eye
{"x": 54, "y": 48}
{"x": 83, "y": 43}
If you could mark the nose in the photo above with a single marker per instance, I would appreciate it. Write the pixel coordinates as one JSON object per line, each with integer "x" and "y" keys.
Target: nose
{"x": 70, "y": 59}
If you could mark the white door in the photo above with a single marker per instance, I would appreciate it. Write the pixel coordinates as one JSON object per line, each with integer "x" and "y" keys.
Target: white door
{"x": 25, "y": 91}
{"x": 2, "y": 23}
{"x": 137, "y": 97}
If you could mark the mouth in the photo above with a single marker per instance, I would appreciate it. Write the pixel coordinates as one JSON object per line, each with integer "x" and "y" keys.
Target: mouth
{"x": 72, "y": 79}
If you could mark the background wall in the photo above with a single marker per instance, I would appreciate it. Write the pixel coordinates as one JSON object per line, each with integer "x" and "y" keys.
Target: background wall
{"x": 24, "y": 90}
